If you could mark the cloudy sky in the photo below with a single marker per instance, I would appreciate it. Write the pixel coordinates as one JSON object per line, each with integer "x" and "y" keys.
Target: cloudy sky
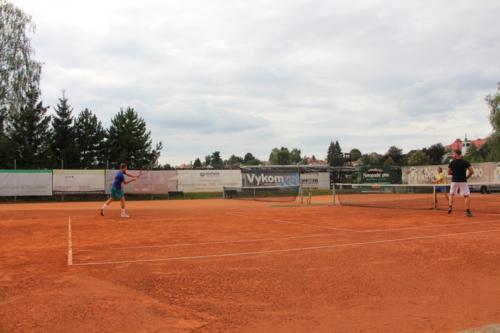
{"x": 247, "y": 76}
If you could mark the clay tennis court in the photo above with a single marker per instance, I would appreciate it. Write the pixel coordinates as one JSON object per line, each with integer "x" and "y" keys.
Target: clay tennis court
{"x": 244, "y": 266}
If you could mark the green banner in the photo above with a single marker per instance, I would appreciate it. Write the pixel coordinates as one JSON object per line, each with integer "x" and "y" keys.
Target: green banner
{"x": 385, "y": 174}
{"x": 25, "y": 171}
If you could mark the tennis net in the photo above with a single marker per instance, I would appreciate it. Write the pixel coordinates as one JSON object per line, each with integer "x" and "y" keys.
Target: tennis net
{"x": 285, "y": 193}
{"x": 484, "y": 197}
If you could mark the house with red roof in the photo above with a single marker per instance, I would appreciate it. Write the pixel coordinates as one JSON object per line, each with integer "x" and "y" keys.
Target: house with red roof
{"x": 465, "y": 144}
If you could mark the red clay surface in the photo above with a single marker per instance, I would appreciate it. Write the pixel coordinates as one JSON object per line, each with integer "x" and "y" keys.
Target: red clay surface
{"x": 235, "y": 266}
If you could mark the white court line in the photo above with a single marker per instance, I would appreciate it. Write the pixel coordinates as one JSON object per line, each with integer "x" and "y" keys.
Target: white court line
{"x": 373, "y": 230}
{"x": 257, "y": 240}
{"x": 70, "y": 244}
{"x": 310, "y": 225}
{"x": 430, "y": 226}
{"x": 295, "y": 223}
{"x": 300, "y": 249}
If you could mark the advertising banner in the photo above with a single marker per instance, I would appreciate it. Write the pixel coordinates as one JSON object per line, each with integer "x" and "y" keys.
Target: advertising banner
{"x": 76, "y": 181}
{"x": 270, "y": 178}
{"x": 25, "y": 182}
{"x": 315, "y": 180}
{"x": 207, "y": 180}
{"x": 384, "y": 174}
{"x": 496, "y": 177}
{"x": 424, "y": 174}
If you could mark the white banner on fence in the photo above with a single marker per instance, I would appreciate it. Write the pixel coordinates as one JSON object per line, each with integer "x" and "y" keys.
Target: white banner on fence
{"x": 496, "y": 177}
{"x": 150, "y": 182}
{"x": 315, "y": 180}
{"x": 25, "y": 182}
{"x": 207, "y": 180}
{"x": 488, "y": 172}
{"x": 75, "y": 181}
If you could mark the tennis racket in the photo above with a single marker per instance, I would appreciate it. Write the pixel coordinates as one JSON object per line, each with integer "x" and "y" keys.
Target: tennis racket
{"x": 142, "y": 172}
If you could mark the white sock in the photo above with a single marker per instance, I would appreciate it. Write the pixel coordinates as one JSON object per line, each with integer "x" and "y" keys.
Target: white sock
{"x": 123, "y": 211}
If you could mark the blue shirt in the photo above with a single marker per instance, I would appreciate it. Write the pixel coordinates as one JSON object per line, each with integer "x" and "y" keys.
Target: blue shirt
{"x": 119, "y": 179}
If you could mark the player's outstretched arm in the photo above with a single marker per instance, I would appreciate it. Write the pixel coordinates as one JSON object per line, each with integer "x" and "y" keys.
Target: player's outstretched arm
{"x": 133, "y": 179}
{"x": 132, "y": 176}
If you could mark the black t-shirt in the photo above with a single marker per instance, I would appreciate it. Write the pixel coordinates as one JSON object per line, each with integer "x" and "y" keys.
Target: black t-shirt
{"x": 459, "y": 170}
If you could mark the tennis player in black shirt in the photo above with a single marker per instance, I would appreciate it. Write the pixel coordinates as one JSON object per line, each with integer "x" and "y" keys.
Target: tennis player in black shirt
{"x": 458, "y": 168}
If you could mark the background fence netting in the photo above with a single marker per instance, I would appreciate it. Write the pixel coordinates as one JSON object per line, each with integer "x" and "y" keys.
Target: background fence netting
{"x": 284, "y": 193}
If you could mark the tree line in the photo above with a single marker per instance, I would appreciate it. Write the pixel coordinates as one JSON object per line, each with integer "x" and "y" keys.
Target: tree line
{"x": 278, "y": 156}
{"x": 434, "y": 154}
{"x": 394, "y": 156}
{"x": 30, "y": 138}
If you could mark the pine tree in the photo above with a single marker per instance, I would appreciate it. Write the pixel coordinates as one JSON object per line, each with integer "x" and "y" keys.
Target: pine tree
{"x": 197, "y": 163}
{"x": 89, "y": 140}
{"x": 129, "y": 141}
{"x": 249, "y": 159}
{"x": 64, "y": 152}
{"x": 29, "y": 134}
{"x": 334, "y": 156}
{"x": 216, "y": 161}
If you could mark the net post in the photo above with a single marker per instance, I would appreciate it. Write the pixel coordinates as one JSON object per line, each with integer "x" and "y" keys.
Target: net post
{"x": 333, "y": 195}
{"x": 434, "y": 197}
{"x": 301, "y": 195}
{"x": 223, "y": 192}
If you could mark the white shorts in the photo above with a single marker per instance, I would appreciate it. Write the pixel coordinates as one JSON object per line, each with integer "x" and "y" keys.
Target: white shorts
{"x": 459, "y": 188}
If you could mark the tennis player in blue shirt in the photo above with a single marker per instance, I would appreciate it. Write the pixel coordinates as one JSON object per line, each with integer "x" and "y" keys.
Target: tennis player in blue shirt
{"x": 116, "y": 189}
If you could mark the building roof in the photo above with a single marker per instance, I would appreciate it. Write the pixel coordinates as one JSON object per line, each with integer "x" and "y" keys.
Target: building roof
{"x": 458, "y": 144}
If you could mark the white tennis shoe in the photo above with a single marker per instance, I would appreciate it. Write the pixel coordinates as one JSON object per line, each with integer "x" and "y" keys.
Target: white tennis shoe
{"x": 124, "y": 216}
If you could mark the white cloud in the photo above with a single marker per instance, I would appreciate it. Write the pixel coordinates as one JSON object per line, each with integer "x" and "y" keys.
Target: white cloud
{"x": 240, "y": 76}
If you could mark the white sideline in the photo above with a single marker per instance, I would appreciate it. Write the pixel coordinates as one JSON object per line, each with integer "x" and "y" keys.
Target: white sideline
{"x": 295, "y": 223}
{"x": 256, "y": 240}
{"x": 371, "y": 230}
{"x": 70, "y": 244}
{"x": 240, "y": 254}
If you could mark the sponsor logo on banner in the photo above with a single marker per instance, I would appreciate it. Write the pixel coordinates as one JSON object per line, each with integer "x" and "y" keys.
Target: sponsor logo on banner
{"x": 385, "y": 174}
{"x": 192, "y": 181}
{"x": 210, "y": 174}
{"x": 315, "y": 180}
{"x": 262, "y": 179}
